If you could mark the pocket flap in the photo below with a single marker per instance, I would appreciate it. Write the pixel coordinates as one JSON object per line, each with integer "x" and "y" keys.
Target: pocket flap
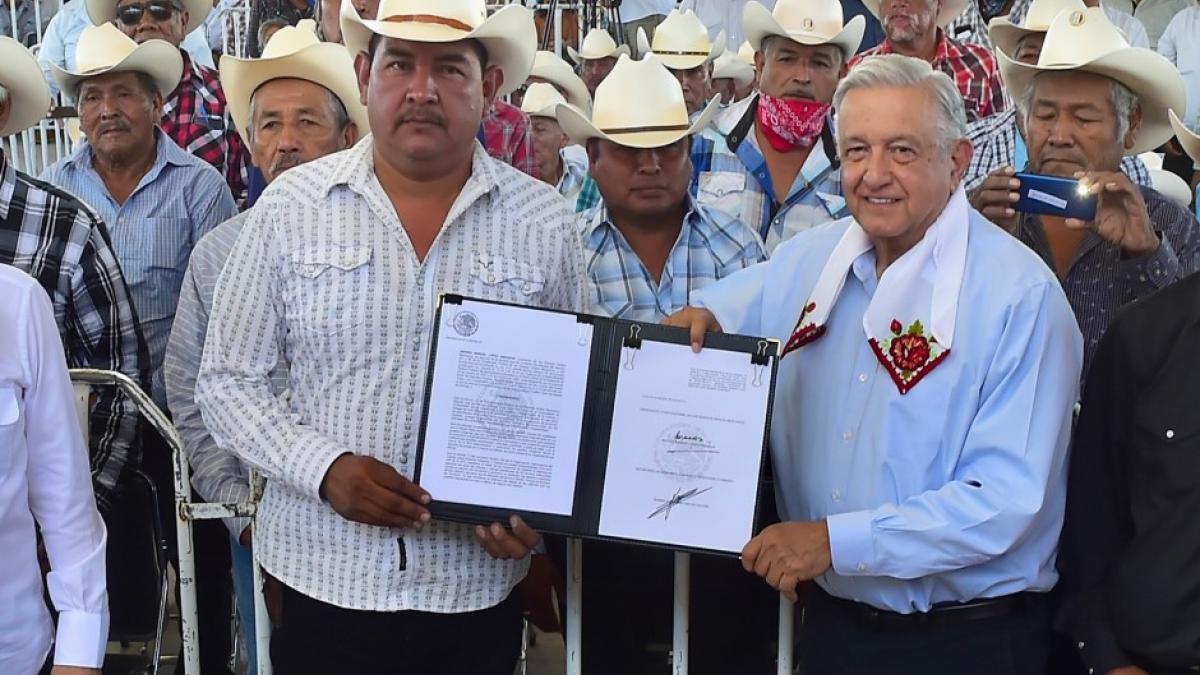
{"x": 1171, "y": 425}
{"x": 313, "y": 260}
{"x": 494, "y": 270}
{"x": 721, "y": 183}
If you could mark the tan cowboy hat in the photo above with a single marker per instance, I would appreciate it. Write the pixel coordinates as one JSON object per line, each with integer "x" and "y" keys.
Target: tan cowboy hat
{"x": 597, "y": 44}
{"x": 1086, "y": 41}
{"x": 293, "y": 52}
{"x": 745, "y": 53}
{"x": 509, "y": 35}
{"x": 809, "y": 22}
{"x": 659, "y": 118}
{"x": 681, "y": 41}
{"x": 105, "y": 49}
{"x": 1187, "y": 138}
{"x": 105, "y": 11}
{"x": 729, "y": 66}
{"x": 542, "y": 100}
{"x": 549, "y": 67}
{"x": 28, "y": 93}
{"x": 1006, "y": 35}
{"x": 1172, "y": 187}
{"x": 948, "y": 12}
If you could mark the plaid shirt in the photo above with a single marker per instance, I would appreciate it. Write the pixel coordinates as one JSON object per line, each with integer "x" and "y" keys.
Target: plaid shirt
{"x": 55, "y": 238}
{"x": 970, "y": 26}
{"x": 505, "y": 135}
{"x": 995, "y": 141}
{"x": 575, "y": 175}
{"x": 971, "y": 66}
{"x": 589, "y": 195}
{"x": 711, "y": 245}
{"x": 196, "y": 119}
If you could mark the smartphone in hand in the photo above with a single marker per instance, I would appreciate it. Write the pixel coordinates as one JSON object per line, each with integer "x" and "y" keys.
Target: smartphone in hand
{"x": 1054, "y": 196}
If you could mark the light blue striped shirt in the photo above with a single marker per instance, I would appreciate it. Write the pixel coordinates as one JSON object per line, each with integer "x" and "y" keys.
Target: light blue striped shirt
{"x": 176, "y": 203}
{"x": 954, "y": 491}
{"x": 711, "y": 245}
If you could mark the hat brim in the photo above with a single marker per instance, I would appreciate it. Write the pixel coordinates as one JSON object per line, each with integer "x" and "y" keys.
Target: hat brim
{"x": 1153, "y": 79}
{"x": 28, "y": 93}
{"x": 580, "y": 129}
{"x": 157, "y": 58}
{"x": 949, "y": 11}
{"x": 682, "y": 61}
{"x": 1187, "y": 138}
{"x": 759, "y": 24}
{"x": 325, "y": 64}
{"x": 740, "y": 73}
{"x": 508, "y": 36}
{"x": 1006, "y": 35}
{"x": 104, "y": 11}
{"x": 560, "y": 75}
{"x": 579, "y": 57}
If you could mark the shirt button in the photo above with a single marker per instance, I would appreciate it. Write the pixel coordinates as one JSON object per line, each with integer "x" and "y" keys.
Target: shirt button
{"x": 847, "y": 436}
{"x": 1170, "y": 434}
{"x": 862, "y": 377}
{"x": 410, "y": 400}
{"x": 862, "y": 567}
{"x": 837, "y": 496}
{"x": 1081, "y": 645}
{"x": 416, "y": 339}
{"x": 404, "y": 458}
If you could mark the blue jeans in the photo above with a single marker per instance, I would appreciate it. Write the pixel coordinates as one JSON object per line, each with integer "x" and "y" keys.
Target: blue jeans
{"x": 243, "y": 592}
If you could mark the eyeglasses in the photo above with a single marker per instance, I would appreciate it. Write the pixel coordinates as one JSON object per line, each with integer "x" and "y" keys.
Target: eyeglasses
{"x": 131, "y": 14}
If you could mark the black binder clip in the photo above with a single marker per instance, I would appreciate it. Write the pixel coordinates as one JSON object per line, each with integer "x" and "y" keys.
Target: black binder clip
{"x": 632, "y": 342}
{"x": 761, "y": 359}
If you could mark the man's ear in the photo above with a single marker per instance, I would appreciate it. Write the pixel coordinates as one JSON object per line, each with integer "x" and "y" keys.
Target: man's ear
{"x": 1135, "y": 124}
{"x": 350, "y": 135}
{"x": 493, "y": 79}
{"x": 362, "y": 69}
{"x": 960, "y": 160}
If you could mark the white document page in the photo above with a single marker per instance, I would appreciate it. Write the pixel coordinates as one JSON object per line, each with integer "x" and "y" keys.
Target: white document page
{"x": 506, "y": 408}
{"x": 686, "y": 446}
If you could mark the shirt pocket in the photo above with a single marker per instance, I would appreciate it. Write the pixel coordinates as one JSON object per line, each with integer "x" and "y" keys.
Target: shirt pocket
{"x": 722, "y": 190}
{"x": 507, "y": 279}
{"x": 1167, "y": 438}
{"x": 330, "y": 289}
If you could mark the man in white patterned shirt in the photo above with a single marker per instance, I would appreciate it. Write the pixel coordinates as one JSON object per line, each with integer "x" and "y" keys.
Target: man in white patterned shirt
{"x": 338, "y": 270}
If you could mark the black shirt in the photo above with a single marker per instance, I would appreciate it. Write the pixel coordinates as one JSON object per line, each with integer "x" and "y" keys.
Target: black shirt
{"x": 1130, "y": 555}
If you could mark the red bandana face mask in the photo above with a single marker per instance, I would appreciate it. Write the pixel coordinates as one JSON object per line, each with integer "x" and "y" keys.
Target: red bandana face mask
{"x": 789, "y": 124}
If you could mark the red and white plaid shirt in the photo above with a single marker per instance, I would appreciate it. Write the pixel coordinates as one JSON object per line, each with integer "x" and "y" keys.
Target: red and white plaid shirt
{"x": 506, "y": 137}
{"x": 971, "y": 66}
{"x": 194, "y": 116}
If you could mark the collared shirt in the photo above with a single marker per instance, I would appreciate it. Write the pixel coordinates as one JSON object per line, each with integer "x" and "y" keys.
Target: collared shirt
{"x": 953, "y": 491}
{"x": 971, "y": 66}
{"x": 589, "y": 195}
{"x": 175, "y": 204}
{"x": 1131, "y": 587}
{"x": 997, "y": 144}
{"x": 217, "y": 474}
{"x": 711, "y": 246}
{"x": 1100, "y": 280}
{"x": 1153, "y": 14}
{"x": 324, "y": 275}
{"x": 736, "y": 179}
{"x": 505, "y": 134}
{"x": 44, "y": 481}
{"x": 632, "y": 10}
{"x": 52, "y": 236}
{"x": 723, "y": 15}
{"x": 1180, "y": 44}
{"x": 62, "y": 35}
{"x": 195, "y": 117}
{"x": 575, "y": 172}
{"x": 970, "y": 26}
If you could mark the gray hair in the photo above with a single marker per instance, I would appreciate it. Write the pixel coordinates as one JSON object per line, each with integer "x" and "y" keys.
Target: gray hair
{"x": 341, "y": 118}
{"x": 895, "y": 70}
{"x": 1123, "y": 101}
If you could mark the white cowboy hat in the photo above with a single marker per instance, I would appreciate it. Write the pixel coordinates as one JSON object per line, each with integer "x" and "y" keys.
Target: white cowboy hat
{"x": 28, "y": 93}
{"x": 509, "y": 35}
{"x": 948, "y": 12}
{"x": 597, "y": 44}
{"x": 681, "y": 41}
{"x": 105, "y": 49}
{"x": 293, "y": 52}
{"x": 542, "y": 100}
{"x": 1086, "y": 41}
{"x": 105, "y": 11}
{"x": 1172, "y": 187}
{"x": 729, "y": 66}
{"x": 745, "y": 53}
{"x": 659, "y": 118}
{"x": 809, "y": 22}
{"x": 549, "y": 67}
{"x": 1187, "y": 138}
{"x": 1006, "y": 35}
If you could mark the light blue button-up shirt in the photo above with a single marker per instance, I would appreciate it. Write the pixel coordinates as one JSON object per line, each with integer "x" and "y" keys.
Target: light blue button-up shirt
{"x": 176, "y": 203}
{"x": 953, "y": 491}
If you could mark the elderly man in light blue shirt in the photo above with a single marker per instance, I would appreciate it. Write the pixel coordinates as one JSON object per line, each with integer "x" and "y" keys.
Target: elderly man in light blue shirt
{"x": 923, "y": 402}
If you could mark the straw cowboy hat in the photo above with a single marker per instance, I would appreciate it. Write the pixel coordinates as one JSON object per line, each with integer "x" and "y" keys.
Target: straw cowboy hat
{"x": 542, "y": 100}
{"x": 659, "y": 118}
{"x": 948, "y": 12}
{"x": 28, "y": 93}
{"x": 681, "y": 41}
{"x": 1006, "y": 35}
{"x": 1189, "y": 140}
{"x": 809, "y": 22}
{"x": 105, "y": 11}
{"x": 729, "y": 66}
{"x": 508, "y": 36}
{"x": 745, "y": 53}
{"x": 293, "y": 52}
{"x": 549, "y": 67}
{"x": 105, "y": 49}
{"x": 1086, "y": 41}
{"x": 1172, "y": 187}
{"x": 597, "y": 44}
